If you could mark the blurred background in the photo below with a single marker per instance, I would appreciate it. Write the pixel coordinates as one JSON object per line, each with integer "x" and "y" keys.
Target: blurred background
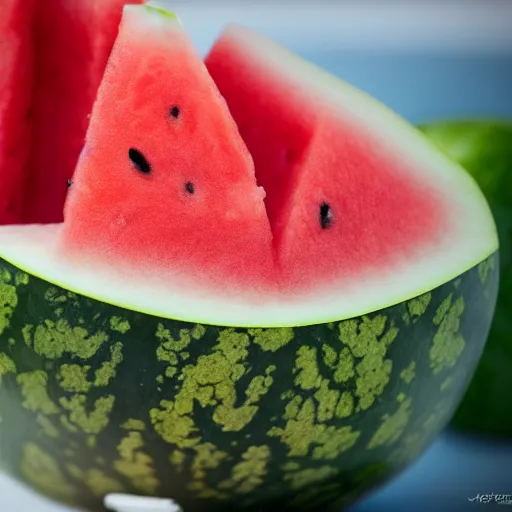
{"x": 426, "y": 60}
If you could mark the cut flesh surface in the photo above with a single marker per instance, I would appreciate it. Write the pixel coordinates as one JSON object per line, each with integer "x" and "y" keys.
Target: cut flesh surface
{"x": 165, "y": 181}
{"x": 401, "y": 220}
{"x": 346, "y": 193}
{"x": 73, "y": 40}
{"x": 16, "y": 68}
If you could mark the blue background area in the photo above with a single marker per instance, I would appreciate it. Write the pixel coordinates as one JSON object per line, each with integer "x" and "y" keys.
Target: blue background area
{"x": 454, "y": 469}
{"x": 422, "y": 86}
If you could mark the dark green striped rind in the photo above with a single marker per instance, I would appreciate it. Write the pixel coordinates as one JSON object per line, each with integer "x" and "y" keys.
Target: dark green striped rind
{"x": 484, "y": 148}
{"x": 97, "y": 399}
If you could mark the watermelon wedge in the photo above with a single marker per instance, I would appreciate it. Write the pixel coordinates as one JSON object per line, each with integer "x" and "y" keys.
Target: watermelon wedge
{"x": 73, "y": 39}
{"x": 181, "y": 334}
{"x": 16, "y": 69}
{"x": 162, "y": 129}
{"x": 351, "y": 191}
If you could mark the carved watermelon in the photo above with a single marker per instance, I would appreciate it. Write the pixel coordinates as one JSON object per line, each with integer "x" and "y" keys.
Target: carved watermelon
{"x": 181, "y": 334}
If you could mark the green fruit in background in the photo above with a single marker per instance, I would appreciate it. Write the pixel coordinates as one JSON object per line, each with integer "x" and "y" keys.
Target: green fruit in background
{"x": 484, "y": 148}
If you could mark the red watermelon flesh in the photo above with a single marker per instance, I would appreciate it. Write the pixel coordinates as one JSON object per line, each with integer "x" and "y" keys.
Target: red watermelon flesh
{"x": 165, "y": 181}
{"x": 165, "y": 200}
{"x": 73, "y": 39}
{"x": 340, "y": 202}
{"x": 16, "y": 65}
{"x": 356, "y": 199}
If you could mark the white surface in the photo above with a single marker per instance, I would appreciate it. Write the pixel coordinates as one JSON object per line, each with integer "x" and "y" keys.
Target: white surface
{"x": 128, "y": 503}
{"x": 15, "y": 497}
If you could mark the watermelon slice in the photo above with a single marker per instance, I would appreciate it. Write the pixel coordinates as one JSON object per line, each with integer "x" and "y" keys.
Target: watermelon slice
{"x": 170, "y": 339}
{"x": 351, "y": 192}
{"x": 16, "y": 65}
{"x": 168, "y": 143}
{"x": 73, "y": 39}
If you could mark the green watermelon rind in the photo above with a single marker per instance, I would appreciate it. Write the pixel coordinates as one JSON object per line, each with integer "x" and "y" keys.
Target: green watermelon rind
{"x": 96, "y": 399}
{"x": 155, "y": 7}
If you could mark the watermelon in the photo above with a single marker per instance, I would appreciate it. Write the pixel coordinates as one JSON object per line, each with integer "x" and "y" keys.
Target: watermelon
{"x": 169, "y": 339}
{"x": 16, "y": 70}
{"x": 73, "y": 39}
{"x": 318, "y": 231}
{"x": 116, "y": 207}
{"x": 484, "y": 148}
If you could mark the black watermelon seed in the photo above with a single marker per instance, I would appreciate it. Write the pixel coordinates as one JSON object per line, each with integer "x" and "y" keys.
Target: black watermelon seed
{"x": 139, "y": 161}
{"x": 70, "y": 182}
{"x": 174, "y": 111}
{"x": 189, "y": 187}
{"x": 326, "y": 217}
